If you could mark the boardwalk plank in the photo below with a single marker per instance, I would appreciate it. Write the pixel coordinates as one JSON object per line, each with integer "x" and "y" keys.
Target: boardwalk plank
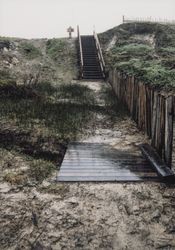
{"x": 100, "y": 162}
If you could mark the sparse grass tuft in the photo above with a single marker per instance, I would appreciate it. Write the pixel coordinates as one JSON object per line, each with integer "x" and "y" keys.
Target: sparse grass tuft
{"x": 16, "y": 178}
{"x": 60, "y": 189}
{"x": 112, "y": 105}
{"x": 76, "y": 93}
{"x": 39, "y": 170}
{"x": 44, "y": 88}
{"x": 55, "y": 47}
{"x": 29, "y": 50}
{"x": 6, "y": 78}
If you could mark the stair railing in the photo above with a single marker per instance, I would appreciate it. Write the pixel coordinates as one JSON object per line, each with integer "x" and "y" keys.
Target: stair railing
{"x": 100, "y": 54}
{"x": 81, "y": 52}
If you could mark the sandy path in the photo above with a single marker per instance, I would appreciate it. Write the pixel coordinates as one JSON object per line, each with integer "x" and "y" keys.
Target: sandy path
{"x": 90, "y": 216}
{"x": 122, "y": 135}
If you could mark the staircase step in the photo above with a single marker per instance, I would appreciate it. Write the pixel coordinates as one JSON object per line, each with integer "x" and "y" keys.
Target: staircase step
{"x": 91, "y": 68}
{"x": 92, "y": 73}
{"x": 90, "y": 55}
{"x": 90, "y": 58}
{"x": 95, "y": 61}
{"x": 91, "y": 78}
{"x": 92, "y": 63}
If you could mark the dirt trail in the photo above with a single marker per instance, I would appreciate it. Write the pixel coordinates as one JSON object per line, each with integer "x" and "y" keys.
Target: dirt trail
{"x": 122, "y": 135}
{"x": 90, "y": 216}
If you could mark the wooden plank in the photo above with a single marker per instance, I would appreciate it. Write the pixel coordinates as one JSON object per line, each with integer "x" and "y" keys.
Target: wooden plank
{"x": 103, "y": 163}
{"x": 168, "y": 130}
{"x": 105, "y": 174}
{"x": 152, "y": 156}
{"x": 104, "y": 169}
{"x": 110, "y": 168}
{"x": 105, "y": 179}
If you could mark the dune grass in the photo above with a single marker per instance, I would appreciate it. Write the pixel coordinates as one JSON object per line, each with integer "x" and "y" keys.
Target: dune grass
{"x": 146, "y": 50}
{"x": 41, "y": 124}
{"x": 66, "y": 109}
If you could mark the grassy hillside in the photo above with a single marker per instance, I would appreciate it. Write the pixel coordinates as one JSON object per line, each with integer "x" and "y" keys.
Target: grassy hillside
{"x": 146, "y": 50}
{"x": 37, "y": 60}
{"x": 38, "y": 113}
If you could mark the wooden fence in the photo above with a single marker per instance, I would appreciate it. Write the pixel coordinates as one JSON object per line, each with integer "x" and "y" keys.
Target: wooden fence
{"x": 151, "y": 109}
{"x": 148, "y": 20}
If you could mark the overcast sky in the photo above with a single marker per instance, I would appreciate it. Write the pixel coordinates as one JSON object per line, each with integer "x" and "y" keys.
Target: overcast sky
{"x": 50, "y": 18}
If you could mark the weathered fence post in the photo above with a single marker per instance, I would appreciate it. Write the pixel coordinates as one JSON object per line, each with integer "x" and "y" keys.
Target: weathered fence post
{"x": 154, "y": 118}
{"x": 168, "y": 130}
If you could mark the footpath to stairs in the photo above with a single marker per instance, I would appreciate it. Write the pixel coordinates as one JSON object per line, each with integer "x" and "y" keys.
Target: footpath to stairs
{"x": 109, "y": 153}
{"x": 91, "y": 64}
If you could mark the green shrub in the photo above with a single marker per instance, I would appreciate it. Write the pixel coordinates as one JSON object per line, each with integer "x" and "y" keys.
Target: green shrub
{"x": 169, "y": 62}
{"x": 165, "y": 36}
{"x": 158, "y": 75}
{"x": 167, "y": 51}
{"x": 133, "y": 49}
{"x": 151, "y": 72}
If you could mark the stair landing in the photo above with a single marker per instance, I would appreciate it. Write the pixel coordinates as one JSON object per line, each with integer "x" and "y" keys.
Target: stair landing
{"x": 100, "y": 162}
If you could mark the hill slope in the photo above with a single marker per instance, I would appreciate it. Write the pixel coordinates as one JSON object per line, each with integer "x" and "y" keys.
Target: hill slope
{"x": 143, "y": 49}
{"x": 37, "y": 60}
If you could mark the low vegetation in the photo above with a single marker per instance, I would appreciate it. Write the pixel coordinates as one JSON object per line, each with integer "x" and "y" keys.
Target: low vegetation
{"x": 29, "y": 50}
{"x": 61, "y": 52}
{"x": 6, "y": 78}
{"x": 65, "y": 111}
{"x": 40, "y": 122}
{"x": 146, "y": 50}
{"x": 54, "y": 47}
{"x": 113, "y": 106}
{"x": 28, "y": 61}
{"x": 40, "y": 170}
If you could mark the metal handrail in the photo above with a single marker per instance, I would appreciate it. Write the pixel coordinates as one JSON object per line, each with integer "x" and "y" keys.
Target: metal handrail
{"x": 100, "y": 54}
{"x": 81, "y": 52}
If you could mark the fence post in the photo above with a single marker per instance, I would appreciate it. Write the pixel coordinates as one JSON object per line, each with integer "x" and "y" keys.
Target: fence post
{"x": 168, "y": 130}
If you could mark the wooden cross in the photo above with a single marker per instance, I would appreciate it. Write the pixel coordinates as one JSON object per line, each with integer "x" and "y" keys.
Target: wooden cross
{"x": 70, "y": 30}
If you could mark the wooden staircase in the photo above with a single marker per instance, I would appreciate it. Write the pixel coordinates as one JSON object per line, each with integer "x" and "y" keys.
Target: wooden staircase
{"x": 91, "y": 69}
{"x": 92, "y": 66}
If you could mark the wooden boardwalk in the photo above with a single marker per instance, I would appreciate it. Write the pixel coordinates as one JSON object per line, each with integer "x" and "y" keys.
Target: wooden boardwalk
{"x": 100, "y": 162}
